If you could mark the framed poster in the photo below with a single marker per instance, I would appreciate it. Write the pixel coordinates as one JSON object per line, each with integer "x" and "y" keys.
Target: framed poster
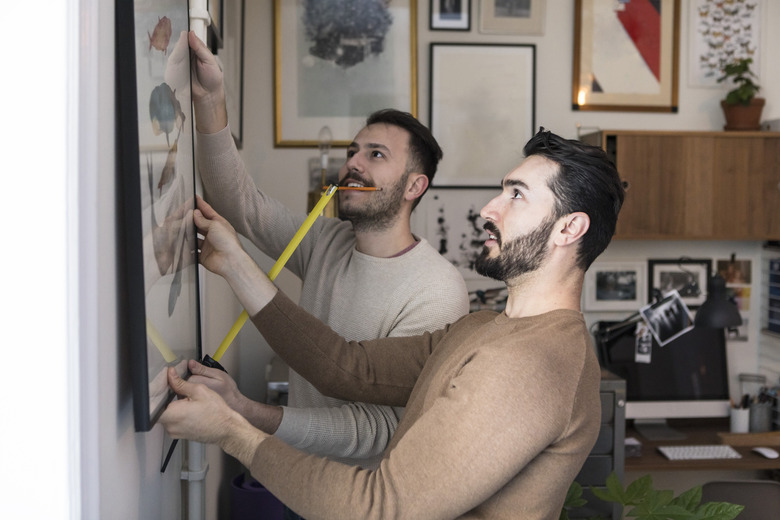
{"x": 482, "y": 109}
{"x": 686, "y": 276}
{"x": 720, "y": 33}
{"x": 450, "y": 15}
{"x": 512, "y": 17}
{"x": 615, "y": 286}
{"x": 334, "y": 70}
{"x": 626, "y": 55}
{"x": 159, "y": 300}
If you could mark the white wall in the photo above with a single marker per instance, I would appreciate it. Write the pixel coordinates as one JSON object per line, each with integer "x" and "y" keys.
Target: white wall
{"x": 116, "y": 471}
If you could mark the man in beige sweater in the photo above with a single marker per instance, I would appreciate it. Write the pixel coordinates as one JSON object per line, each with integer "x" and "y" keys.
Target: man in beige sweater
{"x": 501, "y": 409}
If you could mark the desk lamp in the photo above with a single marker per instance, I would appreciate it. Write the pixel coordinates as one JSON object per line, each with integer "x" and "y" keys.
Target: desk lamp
{"x": 717, "y": 311}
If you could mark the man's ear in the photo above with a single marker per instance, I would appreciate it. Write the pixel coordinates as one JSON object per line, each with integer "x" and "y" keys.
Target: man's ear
{"x": 572, "y": 227}
{"x": 416, "y": 186}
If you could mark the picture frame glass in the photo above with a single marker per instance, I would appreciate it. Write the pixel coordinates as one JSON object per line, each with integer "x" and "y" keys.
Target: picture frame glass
{"x": 626, "y": 55}
{"x": 482, "y": 109}
{"x": 158, "y": 186}
{"x": 328, "y": 73}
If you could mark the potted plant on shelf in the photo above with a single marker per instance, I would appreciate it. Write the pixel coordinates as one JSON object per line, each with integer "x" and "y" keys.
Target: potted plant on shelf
{"x": 741, "y": 106}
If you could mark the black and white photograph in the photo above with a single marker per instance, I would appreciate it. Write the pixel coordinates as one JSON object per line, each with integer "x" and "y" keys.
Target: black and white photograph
{"x": 614, "y": 286}
{"x": 686, "y": 276}
{"x": 450, "y": 15}
{"x": 668, "y": 318}
{"x": 512, "y": 17}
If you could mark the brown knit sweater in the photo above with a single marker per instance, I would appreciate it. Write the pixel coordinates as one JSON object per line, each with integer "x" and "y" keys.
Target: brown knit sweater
{"x": 501, "y": 414}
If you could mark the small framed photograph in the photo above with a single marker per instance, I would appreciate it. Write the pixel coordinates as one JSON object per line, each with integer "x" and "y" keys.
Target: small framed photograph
{"x": 615, "y": 286}
{"x": 450, "y": 15}
{"x": 512, "y": 17}
{"x": 686, "y": 276}
{"x": 668, "y": 319}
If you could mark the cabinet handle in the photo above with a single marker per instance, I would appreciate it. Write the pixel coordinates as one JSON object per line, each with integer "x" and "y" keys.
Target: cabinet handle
{"x": 627, "y": 185}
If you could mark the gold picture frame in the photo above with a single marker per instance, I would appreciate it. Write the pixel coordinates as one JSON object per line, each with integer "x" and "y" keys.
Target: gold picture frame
{"x": 626, "y": 56}
{"x": 325, "y": 74}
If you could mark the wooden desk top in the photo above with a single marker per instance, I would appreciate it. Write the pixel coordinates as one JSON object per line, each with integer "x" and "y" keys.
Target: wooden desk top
{"x": 700, "y": 431}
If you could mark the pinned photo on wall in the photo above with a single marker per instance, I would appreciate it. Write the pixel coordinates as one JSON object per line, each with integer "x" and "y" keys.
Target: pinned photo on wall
{"x": 644, "y": 344}
{"x": 668, "y": 318}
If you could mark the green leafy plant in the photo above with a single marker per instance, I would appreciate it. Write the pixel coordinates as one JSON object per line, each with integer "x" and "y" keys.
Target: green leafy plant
{"x": 646, "y": 503}
{"x": 740, "y": 75}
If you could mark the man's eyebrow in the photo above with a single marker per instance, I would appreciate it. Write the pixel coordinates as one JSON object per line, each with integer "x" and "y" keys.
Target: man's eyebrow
{"x": 370, "y": 146}
{"x": 508, "y": 183}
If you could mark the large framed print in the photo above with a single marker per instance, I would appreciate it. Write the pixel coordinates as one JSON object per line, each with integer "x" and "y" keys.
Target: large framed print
{"x": 524, "y": 17}
{"x": 159, "y": 293}
{"x": 482, "y": 109}
{"x": 626, "y": 55}
{"x": 334, "y": 69}
{"x": 615, "y": 286}
{"x": 687, "y": 276}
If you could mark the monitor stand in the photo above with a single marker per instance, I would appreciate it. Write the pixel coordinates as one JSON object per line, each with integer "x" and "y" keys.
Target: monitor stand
{"x": 657, "y": 430}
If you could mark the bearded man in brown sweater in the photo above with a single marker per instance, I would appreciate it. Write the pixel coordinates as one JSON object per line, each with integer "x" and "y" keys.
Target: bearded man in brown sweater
{"x": 501, "y": 408}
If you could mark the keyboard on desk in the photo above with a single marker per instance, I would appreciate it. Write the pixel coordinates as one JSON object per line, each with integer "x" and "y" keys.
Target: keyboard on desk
{"x": 699, "y": 452}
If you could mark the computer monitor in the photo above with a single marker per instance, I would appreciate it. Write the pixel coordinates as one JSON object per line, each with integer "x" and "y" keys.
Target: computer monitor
{"x": 686, "y": 378}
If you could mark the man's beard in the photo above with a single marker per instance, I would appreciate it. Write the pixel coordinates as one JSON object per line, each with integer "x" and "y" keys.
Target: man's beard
{"x": 519, "y": 256}
{"x": 380, "y": 211}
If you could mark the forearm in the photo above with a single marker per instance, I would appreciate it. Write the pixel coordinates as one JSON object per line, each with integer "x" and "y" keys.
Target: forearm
{"x": 249, "y": 283}
{"x": 242, "y": 441}
{"x": 265, "y": 417}
{"x": 211, "y": 112}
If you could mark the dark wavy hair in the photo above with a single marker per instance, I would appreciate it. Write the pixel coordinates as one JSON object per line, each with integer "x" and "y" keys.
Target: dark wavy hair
{"x": 424, "y": 152}
{"x": 586, "y": 181}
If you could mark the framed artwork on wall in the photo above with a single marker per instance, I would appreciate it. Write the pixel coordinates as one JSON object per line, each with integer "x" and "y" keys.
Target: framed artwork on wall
{"x": 159, "y": 292}
{"x": 626, "y": 55}
{"x": 334, "y": 70}
{"x": 720, "y": 33}
{"x": 482, "y": 109}
{"x": 231, "y": 57}
{"x": 450, "y": 15}
{"x": 615, "y": 286}
{"x": 687, "y": 276}
{"x": 512, "y": 17}
{"x": 448, "y": 217}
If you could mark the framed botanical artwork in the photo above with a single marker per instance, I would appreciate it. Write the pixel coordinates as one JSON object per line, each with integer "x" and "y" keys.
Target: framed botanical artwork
{"x": 482, "y": 109}
{"x": 159, "y": 303}
{"x": 720, "y": 34}
{"x": 615, "y": 286}
{"x": 626, "y": 55}
{"x": 334, "y": 70}
{"x": 448, "y": 217}
{"x": 450, "y": 15}
{"x": 231, "y": 58}
{"x": 512, "y": 17}
{"x": 688, "y": 277}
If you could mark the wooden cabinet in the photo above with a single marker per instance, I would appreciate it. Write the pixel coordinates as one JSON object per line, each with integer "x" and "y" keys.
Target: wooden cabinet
{"x": 696, "y": 185}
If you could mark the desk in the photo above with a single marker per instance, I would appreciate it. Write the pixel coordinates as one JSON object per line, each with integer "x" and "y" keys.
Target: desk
{"x": 699, "y": 431}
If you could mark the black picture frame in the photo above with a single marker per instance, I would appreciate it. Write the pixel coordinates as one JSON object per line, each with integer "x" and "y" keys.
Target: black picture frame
{"x": 686, "y": 275}
{"x": 159, "y": 290}
{"x": 450, "y": 15}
